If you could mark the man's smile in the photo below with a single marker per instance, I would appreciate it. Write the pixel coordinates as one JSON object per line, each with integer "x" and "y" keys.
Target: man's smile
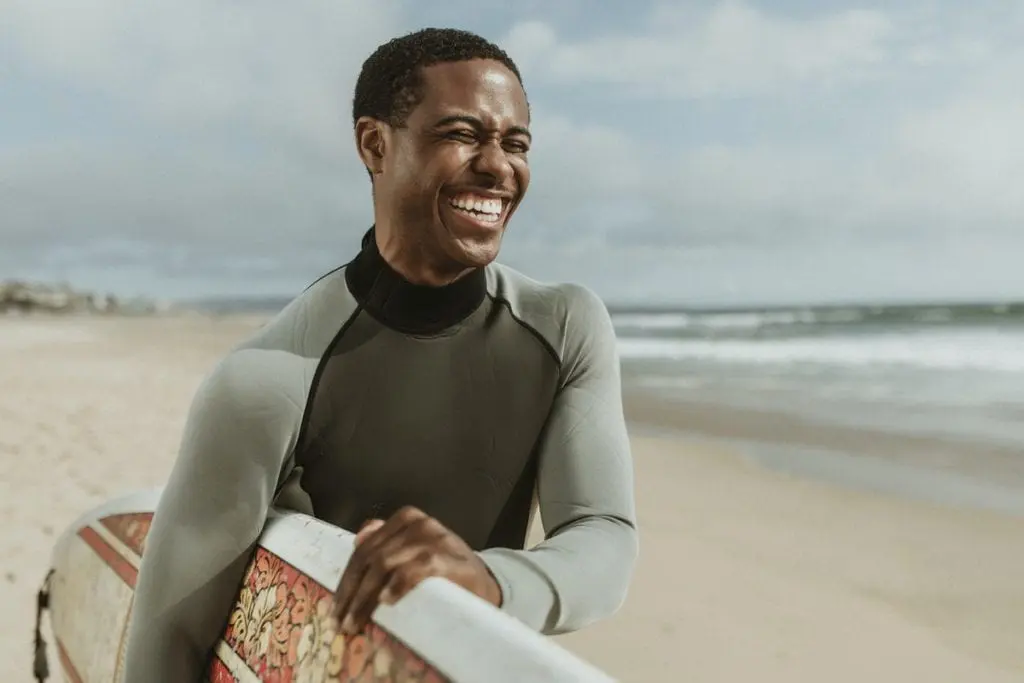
{"x": 483, "y": 209}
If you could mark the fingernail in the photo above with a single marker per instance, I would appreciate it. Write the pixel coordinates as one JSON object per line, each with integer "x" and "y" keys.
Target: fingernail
{"x": 348, "y": 626}
{"x": 387, "y": 597}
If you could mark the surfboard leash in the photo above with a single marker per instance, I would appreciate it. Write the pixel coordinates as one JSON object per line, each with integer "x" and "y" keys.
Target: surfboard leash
{"x": 40, "y": 665}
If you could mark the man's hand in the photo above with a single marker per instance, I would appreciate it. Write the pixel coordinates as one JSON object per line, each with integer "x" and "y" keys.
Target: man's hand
{"x": 392, "y": 557}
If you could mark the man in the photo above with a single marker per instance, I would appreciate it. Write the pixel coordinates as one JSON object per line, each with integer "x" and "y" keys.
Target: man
{"x": 421, "y": 393}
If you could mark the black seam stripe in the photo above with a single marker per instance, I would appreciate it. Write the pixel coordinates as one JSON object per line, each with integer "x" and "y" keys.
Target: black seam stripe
{"x": 528, "y": 327}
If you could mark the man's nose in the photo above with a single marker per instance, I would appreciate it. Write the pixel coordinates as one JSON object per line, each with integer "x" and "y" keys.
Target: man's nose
{"x": 493, "y": 161}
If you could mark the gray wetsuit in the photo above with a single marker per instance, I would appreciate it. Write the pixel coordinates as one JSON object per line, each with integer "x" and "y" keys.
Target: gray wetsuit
{"x": 368, "y": 393}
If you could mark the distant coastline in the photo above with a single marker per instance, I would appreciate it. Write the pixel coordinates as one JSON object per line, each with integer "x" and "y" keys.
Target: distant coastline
{"x": 229, "y": 305}
{"x": 24, "y": 297}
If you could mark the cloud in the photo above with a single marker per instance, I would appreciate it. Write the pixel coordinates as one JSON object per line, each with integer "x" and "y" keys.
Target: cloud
{"x": 197, "y": 195}
{"x": 282, "y": 71}
{"x": 932, "y": 147}
{"x": 223, "y": 128}
{"x": 968, "y": 155}
{"x": 730, "y": 50}
{"x": 940, "y": 175}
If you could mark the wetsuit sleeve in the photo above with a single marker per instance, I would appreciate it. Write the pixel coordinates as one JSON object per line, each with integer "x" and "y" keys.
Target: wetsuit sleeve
{"x": 581, "y": 572}
{"x": 240, "y": 427}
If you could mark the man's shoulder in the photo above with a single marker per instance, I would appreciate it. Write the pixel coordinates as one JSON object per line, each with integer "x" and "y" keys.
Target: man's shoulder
{"x": 280, "y": 357}
{"x": 308, "y": 323}
{"x": 506, "y": 282}
{"x": 569, "y": 316}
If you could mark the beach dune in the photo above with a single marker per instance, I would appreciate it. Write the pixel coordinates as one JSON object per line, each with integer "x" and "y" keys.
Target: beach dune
{"x": 745, "y": 574}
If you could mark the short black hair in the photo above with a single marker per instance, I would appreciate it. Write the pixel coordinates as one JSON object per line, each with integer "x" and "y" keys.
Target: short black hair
{"x": 390, "y": 84}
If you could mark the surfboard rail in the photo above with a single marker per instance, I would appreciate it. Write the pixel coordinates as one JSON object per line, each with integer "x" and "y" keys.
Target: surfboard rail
{"x": 281, "y": 627}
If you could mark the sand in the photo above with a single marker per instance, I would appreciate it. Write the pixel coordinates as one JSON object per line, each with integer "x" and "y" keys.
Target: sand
{"x": 745, "y": 574}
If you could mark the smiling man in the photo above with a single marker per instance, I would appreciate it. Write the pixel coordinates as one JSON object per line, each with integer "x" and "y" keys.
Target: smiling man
{"x": 422, "y": 394}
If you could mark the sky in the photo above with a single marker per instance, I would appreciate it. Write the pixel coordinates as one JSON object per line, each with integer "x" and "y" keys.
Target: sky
{"x": 694, "y": 153}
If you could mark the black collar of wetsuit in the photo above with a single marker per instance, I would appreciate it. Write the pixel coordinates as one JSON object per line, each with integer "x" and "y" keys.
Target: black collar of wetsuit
{"x": 408, "y": 307}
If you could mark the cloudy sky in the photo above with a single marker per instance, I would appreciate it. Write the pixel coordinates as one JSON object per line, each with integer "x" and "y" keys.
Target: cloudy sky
{"x": 696, "y": 152}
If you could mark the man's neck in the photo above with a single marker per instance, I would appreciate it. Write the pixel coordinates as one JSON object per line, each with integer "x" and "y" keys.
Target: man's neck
{"x": 413, "y": 261}
{"x": 407, "y": 306}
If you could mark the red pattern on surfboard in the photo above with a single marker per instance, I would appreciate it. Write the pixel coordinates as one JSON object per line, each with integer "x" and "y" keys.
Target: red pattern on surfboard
{"x": 111, "y": 556}
{"x": 131, "y": 529}
{"x": 283, "y": 629}
{"x": 219, "y": 673}
{"x": 69, "y": 668}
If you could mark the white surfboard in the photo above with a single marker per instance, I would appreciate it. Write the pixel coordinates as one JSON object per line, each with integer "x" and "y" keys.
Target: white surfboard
{"x": 280, "y": 628}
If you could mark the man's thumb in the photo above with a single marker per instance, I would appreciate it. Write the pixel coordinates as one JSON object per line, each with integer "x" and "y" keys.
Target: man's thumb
{"x": 369, "y": 526}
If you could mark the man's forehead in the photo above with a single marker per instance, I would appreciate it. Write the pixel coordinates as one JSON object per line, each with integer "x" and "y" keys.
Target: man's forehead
{"x": 486, "y": 71}
{"x": 484, "y": 89}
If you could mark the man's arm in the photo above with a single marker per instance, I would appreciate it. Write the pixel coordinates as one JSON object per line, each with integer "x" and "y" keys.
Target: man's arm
{"x": 241, "y": 426}
{"x": 581, "y": 572}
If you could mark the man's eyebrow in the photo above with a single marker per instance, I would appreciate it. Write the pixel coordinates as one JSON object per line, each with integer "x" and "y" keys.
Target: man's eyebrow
{"x": 479, "y": 125}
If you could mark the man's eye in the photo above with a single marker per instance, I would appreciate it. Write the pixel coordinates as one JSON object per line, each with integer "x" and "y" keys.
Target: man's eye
{"x": 462, "y": 136}
{"x": 516, "y": 146}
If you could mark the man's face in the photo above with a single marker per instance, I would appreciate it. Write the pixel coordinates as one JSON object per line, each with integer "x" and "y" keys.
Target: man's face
{"x": 458, "y": 170}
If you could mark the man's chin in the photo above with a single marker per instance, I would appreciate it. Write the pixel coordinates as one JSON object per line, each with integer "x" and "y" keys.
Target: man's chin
{"x": 474, "y": 249}
{"x": 476, "y": 252}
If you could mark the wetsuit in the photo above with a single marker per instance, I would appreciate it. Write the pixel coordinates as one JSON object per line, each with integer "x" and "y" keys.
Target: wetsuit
{"x": 368, "y": 393}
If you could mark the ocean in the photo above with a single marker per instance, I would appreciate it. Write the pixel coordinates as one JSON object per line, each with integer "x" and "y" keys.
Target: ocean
{"x": 922, "y": 400}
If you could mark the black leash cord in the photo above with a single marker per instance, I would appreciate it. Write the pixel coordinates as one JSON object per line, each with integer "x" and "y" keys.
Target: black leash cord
{"x": 40, "y": 667}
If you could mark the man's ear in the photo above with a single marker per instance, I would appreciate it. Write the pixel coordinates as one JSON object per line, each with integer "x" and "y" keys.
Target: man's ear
{"x": 370, "y": 143}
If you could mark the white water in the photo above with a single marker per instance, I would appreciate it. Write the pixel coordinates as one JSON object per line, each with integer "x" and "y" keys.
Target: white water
{"x": 986, "y": 349}
{"x": 953, "y": 380}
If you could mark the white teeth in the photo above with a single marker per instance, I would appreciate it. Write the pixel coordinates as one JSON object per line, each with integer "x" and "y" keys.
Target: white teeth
{"x": 485, "y": 217}
{"x": 485, "y": 206}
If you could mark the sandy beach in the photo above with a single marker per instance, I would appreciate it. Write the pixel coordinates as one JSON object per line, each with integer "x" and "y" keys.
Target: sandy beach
{"x": 746, "y": 574}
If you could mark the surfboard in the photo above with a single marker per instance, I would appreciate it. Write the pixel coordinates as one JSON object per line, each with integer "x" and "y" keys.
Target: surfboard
{"x": 280, "y": 628}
